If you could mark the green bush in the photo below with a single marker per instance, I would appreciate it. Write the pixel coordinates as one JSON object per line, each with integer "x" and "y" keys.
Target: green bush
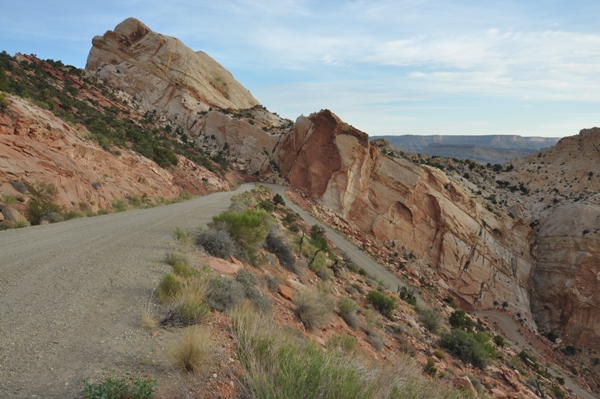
{"x": 459, "y": 319}
{"x": 278, "y": 200}
{"x": 499, "y": 341}
{"x": 247, "y": 228}
{"x": 120, "y": 387}
{"x": 384, "y": 304}
{"x": 251, "y": 291}
{"x": 408, "y": 296}
{"x": 470, "y": 348}
{"x": 38, "y": 210}
{"x": 430, "y": 319}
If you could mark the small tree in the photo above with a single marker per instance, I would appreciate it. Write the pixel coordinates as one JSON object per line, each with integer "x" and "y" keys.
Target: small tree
{"x": 278, "y": 200}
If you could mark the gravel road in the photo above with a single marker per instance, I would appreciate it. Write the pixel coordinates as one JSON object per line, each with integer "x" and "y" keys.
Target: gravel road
{"x": 72, "y": 294}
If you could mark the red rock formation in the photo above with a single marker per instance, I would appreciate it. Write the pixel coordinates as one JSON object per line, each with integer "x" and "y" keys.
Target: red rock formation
{"x": 481, "y": 256}
{"x": 37, "y": 146}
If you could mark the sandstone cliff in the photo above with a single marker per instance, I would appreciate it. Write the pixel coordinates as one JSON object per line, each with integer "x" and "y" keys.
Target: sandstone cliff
{"x": 182, "y": 87}
{"x": 482, "y": 257}
{"x": 563, "y": 183}
{"x": 162, "y": 72}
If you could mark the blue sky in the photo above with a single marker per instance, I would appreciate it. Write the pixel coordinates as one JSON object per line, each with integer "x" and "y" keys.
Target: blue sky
{"x": 387, "y": 67}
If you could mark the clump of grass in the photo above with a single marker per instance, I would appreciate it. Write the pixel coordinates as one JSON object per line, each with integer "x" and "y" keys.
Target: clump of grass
{"x": 194, "y": 350}
{"x": 347, "y": 310}
{"x": 148, "y": 319}
{"x": 375, "y": 340}
{"x": 272, "y": 283}
{"x": 314, "y": 309}
{"x": 279, "y": 365}
{"x": 118, "y": 205}
{"x": 114, "y": 386}
{"x": 182, "y": 237}
{"x": 169, "y": 286}
{"x": 178, "y": 257}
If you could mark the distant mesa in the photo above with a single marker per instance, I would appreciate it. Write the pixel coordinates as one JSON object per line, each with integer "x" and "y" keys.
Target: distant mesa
{"x": 485, "y": 148}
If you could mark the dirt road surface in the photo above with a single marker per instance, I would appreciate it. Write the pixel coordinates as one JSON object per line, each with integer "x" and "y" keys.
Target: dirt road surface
{"x": 72, "y": 294}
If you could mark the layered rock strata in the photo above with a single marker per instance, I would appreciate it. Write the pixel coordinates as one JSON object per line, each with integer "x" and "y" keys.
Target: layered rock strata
{"x": 483, "y": 257}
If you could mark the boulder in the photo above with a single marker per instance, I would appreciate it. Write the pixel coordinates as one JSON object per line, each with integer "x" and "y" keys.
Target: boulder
{"x": 222, "y": 266}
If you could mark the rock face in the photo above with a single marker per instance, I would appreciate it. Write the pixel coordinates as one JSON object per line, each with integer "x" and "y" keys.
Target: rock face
{"x": 162, "y": 72}
{"x": 37, "y": 146}
{"x": 181, "y": 88}
{"x": 564, "y": 182}
{"x": 481, "y": 256}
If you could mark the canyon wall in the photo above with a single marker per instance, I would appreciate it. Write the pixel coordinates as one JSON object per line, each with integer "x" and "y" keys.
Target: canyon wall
{"x": 483, "y": 257}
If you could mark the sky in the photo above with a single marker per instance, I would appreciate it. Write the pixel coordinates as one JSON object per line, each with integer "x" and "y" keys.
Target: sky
{"x": 525, "y": 67}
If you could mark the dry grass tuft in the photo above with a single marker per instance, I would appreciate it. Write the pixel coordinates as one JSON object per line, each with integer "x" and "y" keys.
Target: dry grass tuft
{"x": 148, "y": 319}
{"x": 194, "y": 350}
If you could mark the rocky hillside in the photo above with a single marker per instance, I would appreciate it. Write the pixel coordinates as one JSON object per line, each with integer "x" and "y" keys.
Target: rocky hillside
{"x": 483, "y": 257}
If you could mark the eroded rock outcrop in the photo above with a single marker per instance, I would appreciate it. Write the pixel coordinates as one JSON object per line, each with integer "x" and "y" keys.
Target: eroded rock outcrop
{"x": 162, "y": 72}
{"x": 37, "y": 146}
{"x": 184, "y": 90}
{"x": 483, "y": 257}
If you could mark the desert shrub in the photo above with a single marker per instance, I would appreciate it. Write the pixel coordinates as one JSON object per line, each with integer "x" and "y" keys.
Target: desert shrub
{"x": 383, "y": 303}
{"x": 569, "y": 350}
{"x": 278, "y": 200}
{"x": 224, "y": 293}
{"x": 251, "y": 291}
{"x": 459, "y": 319}
{"x": 4, "y": 102}
{"x": 499, "y": 341}
{"x": 9, "y": 199}
{"x": 551, "y": 335}
{"x": 470, "y": 348}
{"x": 323, "y": 273}
{"x": 347, "y": 310}
{"x": 449, "y": 299}
{"x": 38, "y": 210}
{"x": 272, "y": 283}
{"x": 375, "y": 340}
{"x": 430, "y": 367}
{"x": 408, "y": 296}
{"x": 42, "y": 191}
{"x": 118, "y": 205}
{"x": 279, "y": 246}
{"x": 313, "y": 309}
{"x": 169, "y": 287}
{"x": 247, "y": 228}
{"x": 267, "y": 206}
{"x": 558, "y": 393}
{"x": 439, "y": 354}
{"x": 430, "y": 319}
{"x": 193, "y": 350}
{"x": 120, "y": 387}
{"x": 219, "y": 244}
